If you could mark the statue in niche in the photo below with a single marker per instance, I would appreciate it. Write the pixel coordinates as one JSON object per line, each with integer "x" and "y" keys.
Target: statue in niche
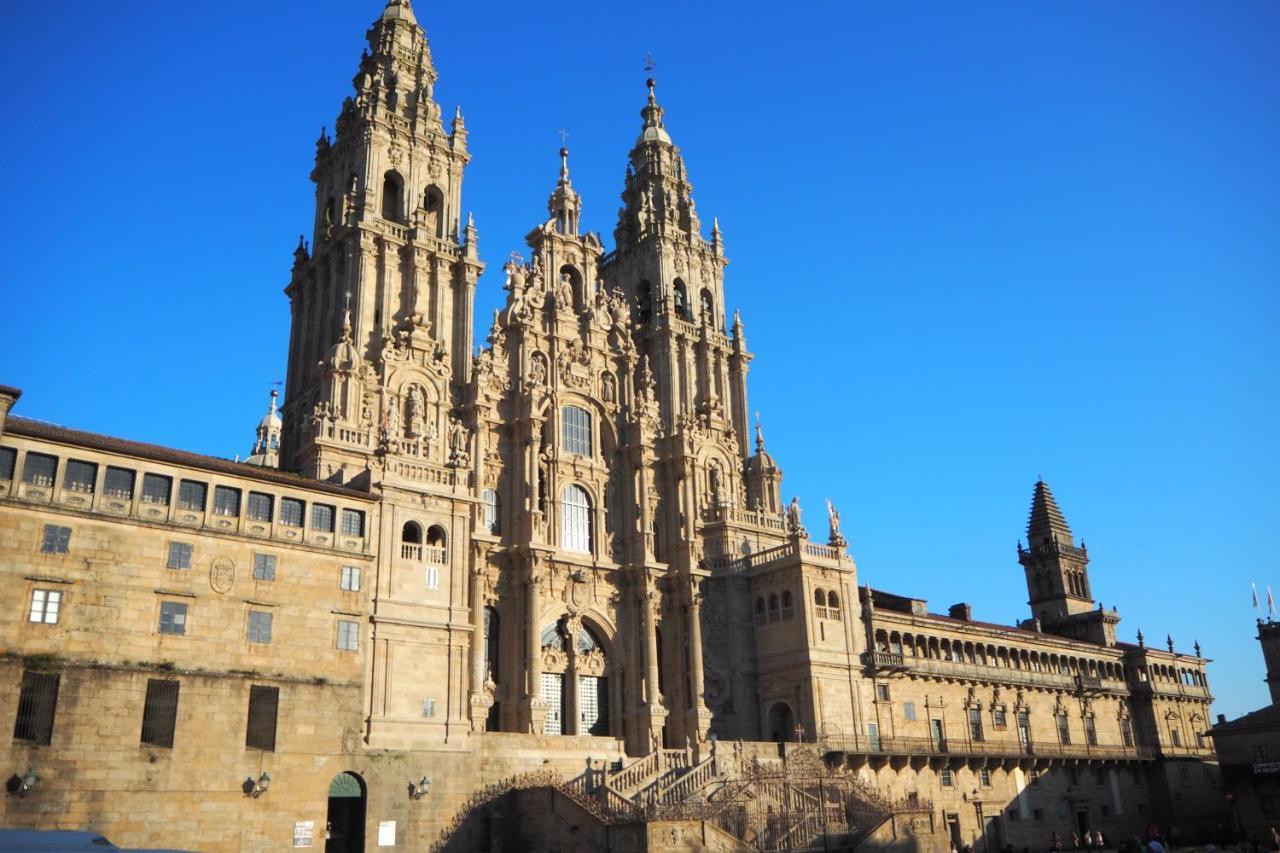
{"x": 713, "y": 478}
{"x": 393, "y": 417}
{"x": 416, "y": 407}
{"x": 538, "y": 369}
{"x": 608, "y": 388}
{"x": 459, "y": 441}
{"x": 564, "y": 292}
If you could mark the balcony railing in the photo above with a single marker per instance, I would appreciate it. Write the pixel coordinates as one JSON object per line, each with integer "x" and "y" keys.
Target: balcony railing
{"x": 961, "y": 670}
{"x": 430, "y": 554}
{"x": 883, "y": 745}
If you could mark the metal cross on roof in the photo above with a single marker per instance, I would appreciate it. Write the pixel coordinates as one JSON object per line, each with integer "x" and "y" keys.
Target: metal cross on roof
{"x": 649, "y": 64}
{"x": 564, "y": 137}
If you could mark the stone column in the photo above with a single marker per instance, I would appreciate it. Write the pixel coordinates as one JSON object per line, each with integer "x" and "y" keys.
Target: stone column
{"x": 480, "y": 698}
{"x": 535, "y": 707}
{"x": 655, "y": 713}
{"x": 699, "y": 716}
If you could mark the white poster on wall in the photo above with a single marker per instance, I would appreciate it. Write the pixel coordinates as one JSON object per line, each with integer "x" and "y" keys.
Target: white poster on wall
{"x": 386, "y": 833}
{"x": 304, "y": 832}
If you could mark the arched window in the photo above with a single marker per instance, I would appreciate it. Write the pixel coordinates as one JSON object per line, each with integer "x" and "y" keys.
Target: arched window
{"x": 392, "y": 190}
{"x": 489, "y": 521}
{"x": 773, "y": 607}
{"x": 786, "y": 605}
{"x": 644, "y": 301}
{"x": 575, "y": 430}
{"x": 707, "y": 314}
{"x": 330, "y": 211}
{"x": 681, "y": 296}
{"x": 819, "y": 598}
{"x": 411, "y": 541}
{"x": 433, "y": 204}
{"x": 760, "y": 614}
{"x": 575, "y": 519}
{"x": 833, "y": 605}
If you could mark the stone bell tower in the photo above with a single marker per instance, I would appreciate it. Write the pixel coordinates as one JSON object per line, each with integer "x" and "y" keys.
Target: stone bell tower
{"x": 382, "y": 303}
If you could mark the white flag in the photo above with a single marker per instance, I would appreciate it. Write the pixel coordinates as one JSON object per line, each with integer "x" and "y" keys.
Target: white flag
{"x": 1271, "y": 603}
{"x": 1254, "y": 587}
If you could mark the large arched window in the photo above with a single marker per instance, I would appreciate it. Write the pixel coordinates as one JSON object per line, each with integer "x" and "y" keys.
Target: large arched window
{"x": 575, "y": 430}
{"x": 682, "y": 301}
{"x": 707, "y": 311}
{"x": 644, "y": 301}
{"x": 575, "y": 519}
{"x": 392, "y": 192}
{"x": 433, "y": 205}
{"x": 411, "y": 541}
{"x": 489, "y": 520}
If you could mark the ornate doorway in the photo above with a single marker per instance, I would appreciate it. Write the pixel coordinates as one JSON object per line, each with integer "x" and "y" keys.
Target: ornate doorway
{"x": 575, "y": 682}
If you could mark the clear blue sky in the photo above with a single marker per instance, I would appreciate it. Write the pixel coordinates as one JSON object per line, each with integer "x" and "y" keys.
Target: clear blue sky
{"x": 972, "y": 243}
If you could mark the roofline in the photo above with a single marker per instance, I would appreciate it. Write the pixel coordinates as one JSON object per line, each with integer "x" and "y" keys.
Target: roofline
{"x": 30, "y": 428}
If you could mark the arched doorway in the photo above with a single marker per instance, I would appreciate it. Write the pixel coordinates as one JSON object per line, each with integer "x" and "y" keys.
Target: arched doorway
{"x": 345, "y": 823}
{"x": 781, "y": 723}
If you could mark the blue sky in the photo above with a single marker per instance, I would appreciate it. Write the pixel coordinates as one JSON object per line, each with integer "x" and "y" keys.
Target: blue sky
{"x": 972, "y": 244}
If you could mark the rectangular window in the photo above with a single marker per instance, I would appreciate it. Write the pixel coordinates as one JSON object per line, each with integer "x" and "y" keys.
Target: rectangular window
{"x": 36, "y": 706}
{"x": 291, "y": 512}
{"x": 179, "y": 555}
{"x": 57, "y": 539}
{"x": 1177, "y": 737}
{"x": 947, "y": 781}
{"x": 1126, "y": 732}
{"x": 226, "y": 501}
{"x": 349, "y": 580}
{"x": 156, "y": 489}
{"x": 259, "y": 626}
{"x": 45, "y": 604}
{"x": 264, "y": 567}
{"x": 348, "y": 635}
{"x": 264, "y": 702}
{"x": 322, "y": 518}
{"x": 258, "y": 507}
{"x": 173, "y": 617}
{"x": 192, "y": 495}
{"x": 882, "y": 692}
{"x": 984, "y": 776}
{"x": 8, "y": 459}
{"x": 1090, "y": 732}
{"x": 352, "y": 522}
{"x": 909, "y": 710}
{"x": 1064, "y": 729}
{"x": 576, "y": 430}
{"x": 39, "y": 469}
{"x": 975, "y": 724}
{"x": 79, "y": 476}
{"x": 118, "y": 483}
{"x": 160, "y": 712}
{"x": 1034, "y": 776}
{"x": 433, "y": 578}
{"x": 998, "y": 719}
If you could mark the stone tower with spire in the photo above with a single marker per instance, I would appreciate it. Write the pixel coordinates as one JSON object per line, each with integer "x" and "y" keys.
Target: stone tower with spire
{"x": 266, "y": 441}
{"x": 382, "y": 302}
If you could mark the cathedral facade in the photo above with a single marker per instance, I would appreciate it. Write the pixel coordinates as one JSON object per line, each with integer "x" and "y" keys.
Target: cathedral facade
{"x": 444, "y": 571}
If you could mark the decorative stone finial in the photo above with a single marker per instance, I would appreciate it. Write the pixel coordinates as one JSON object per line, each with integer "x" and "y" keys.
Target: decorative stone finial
{"x": 1141, "y": 643}
{"x": 1168, "y": 641}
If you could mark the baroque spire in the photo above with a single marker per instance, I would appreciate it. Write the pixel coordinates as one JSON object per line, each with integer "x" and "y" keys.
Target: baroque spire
{"x": 1046, "y": 522}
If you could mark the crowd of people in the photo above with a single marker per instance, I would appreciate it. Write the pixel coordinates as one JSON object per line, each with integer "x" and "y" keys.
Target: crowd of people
{"x": 1155, "y": 842}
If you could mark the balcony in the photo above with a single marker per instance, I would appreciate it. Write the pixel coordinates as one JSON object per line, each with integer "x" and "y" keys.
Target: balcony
{"x": 923, "y": 746}
{"x": 429, "y": 554}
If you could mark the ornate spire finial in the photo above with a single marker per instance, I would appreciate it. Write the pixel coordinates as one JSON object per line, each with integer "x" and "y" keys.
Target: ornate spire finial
{"x": 1197, "y": 648}
{"x": 1168, "y": 641}
{"x": 759, "y": 435}
{"x": 346, "y": 315}
{"x": 1141, "y": 642}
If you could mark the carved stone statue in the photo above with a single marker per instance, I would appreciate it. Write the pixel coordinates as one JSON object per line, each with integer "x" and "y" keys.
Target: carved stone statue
{"x": 793, "y": 516}
{"x": 415, "y": 411}
{"x": 459, "y": 441}
{"x": 393, "y": 417}
{"x": 833, "y": 516}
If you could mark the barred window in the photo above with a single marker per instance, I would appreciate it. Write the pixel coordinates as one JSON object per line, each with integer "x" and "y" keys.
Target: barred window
{"x": 118, "y": 483}
{"x": 45, "y": 604}
{"x": 39, "y": 469}
{"x": 192, "y": 495}
{"x": 291, "y": 512}
{"x": 264, "y": 703}
{"x": 8, "y": 459}
{"x": 226, "y": 501}
{"x": 349, "y": 579}
{"x": 57, "y": 539}
{"x": 264, "y": 567}
{"x": 179, "y": 555}
{"x": 575, "y": 526}
{"x": 156, "y": 489}
{"x": 576, "y": 430}
{"x": 322, "y": 518}
{"x": 36, "y": 706}
{"x": 160, "y": 712}
{"x": 259, "y": 626}
{"x": 173, "y": 617}
{"x": 259, "y": 507}
{"x": 79, "y": 476}
{"x": 352, "y": 522}
{"x": 489, "y": 521}
{"x": 348, "y": 635}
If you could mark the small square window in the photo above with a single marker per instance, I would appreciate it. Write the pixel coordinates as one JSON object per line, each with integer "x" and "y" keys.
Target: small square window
{"x": 348, "y": 635}
{"x": 264, "y": 567}
{"x": 173, "y": 617}
{"x": 179, "y": 555}
{"x": 947, "y": 780}
{"x": 322, "y": 518}
{"x": 349, "y": 580}
{"x": 999, "y": 719}
{"x": 192, "y": 495}
{"x": 226, "y": 501}
{"x": 57, "y": 540}
{"x": 156, "y": 489}
{"x": 45, "y": 604}
{"x": 291, "y": 512}
{"x": 909, "y": 710}
{"x": 352, "y": 522}
{"x": 259, "y": 626}
{"x": 882, "y": 692}
{"x": 428, "y": 707}
{"x": 258, "y": 507}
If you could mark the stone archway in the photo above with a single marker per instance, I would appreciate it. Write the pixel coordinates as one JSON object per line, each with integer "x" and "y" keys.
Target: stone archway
{"x": 781, "y": 722}
{"x": 344, "y": 826}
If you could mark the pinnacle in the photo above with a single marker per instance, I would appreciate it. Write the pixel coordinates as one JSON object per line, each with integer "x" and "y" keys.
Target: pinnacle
{"x": 1046, "y": 522}
{"x": 399, "y": 10}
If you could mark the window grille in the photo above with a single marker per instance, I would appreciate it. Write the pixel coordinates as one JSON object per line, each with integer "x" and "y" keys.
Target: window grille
{"x": 192, "y": 495}
{"x": 173, "y": 617}
{"x": 264, "y": 567}
{"x": 349, "y": 579}
{"x": 352, "y": 522}
{"x": 57, "y": 539}
{"x": 79, "y": 476}
{"x": 45, "y": 604}
{"x": 156, "y": 489}
{"x": 575, "y": 528}
{"x": 179, "y": 555}
{"x": 321, "y": 518}
{"x": 39, "y": 469}
{"x": 259, "y": 626}
{"x": 36, "y": 706}
{"x": 118, "y": 483}
{"x": 8, "y": 459}
{"x": 264, "y": 704}
{"x": 489, "y": 522}
{"x": 160, "y": 712}
{"x": 348, "y": 635}
{"x": 258, "y": 507}
{"x": 576, "y": 430}
{"x": 226, "y": 501}
{"x": 292, "y": 511}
